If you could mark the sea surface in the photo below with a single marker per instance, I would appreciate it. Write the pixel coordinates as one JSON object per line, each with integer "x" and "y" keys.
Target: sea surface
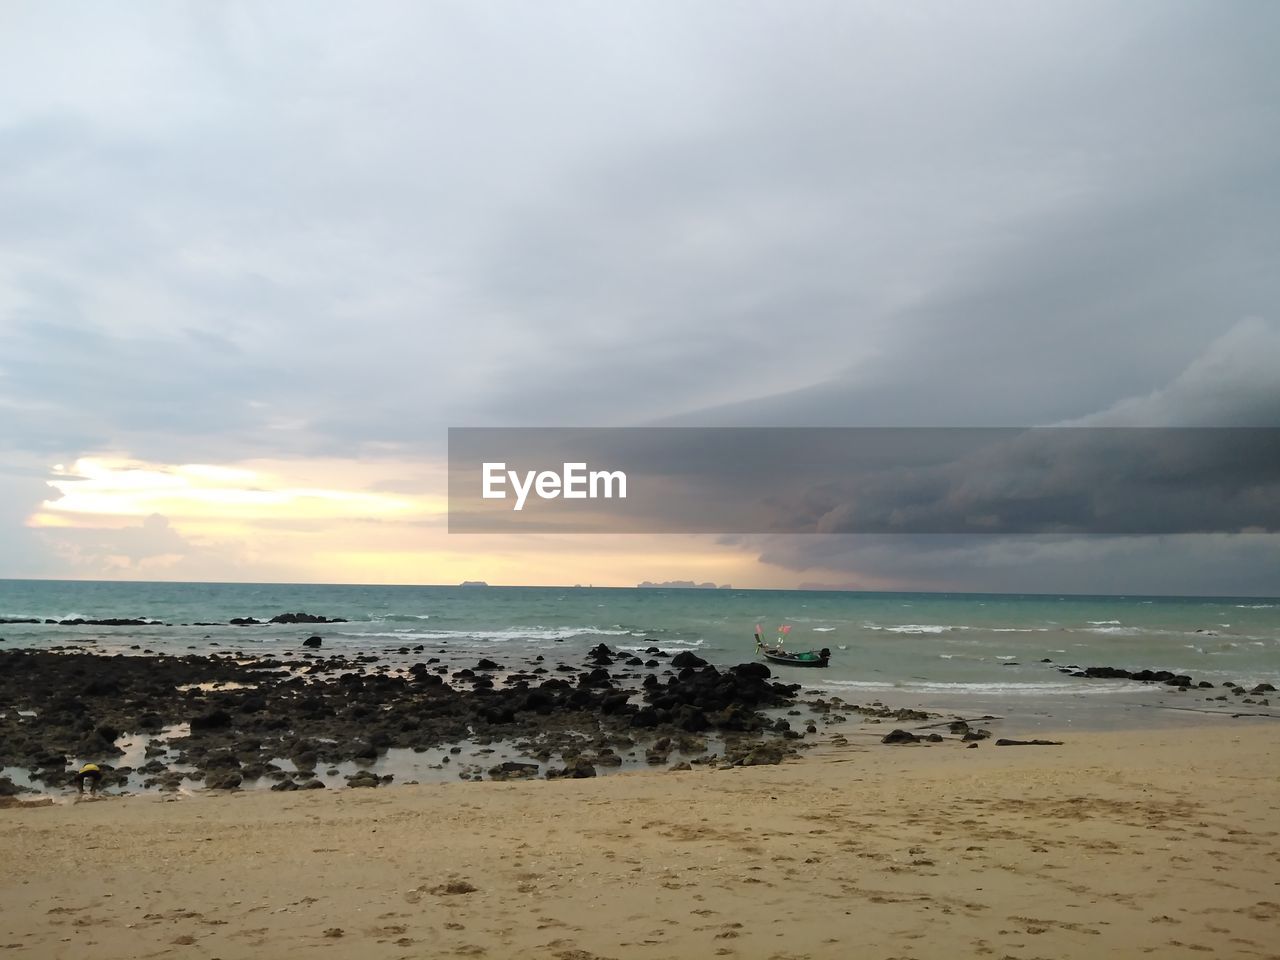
{"x": 954, "y": 651}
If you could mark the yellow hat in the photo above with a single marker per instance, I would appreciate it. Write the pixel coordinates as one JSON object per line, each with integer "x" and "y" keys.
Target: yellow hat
{"x": 88, "y": 767}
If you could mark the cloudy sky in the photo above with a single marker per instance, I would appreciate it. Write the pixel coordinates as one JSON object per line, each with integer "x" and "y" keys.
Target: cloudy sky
{"x": 255, "y": 259}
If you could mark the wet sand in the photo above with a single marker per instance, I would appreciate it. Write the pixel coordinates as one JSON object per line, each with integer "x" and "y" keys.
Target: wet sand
{"x": 1114, "y": 844}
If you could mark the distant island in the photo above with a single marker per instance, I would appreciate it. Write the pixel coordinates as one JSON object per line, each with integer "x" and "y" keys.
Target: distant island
{"x": 473, "y": 583}
{"x": 681, "y": 585}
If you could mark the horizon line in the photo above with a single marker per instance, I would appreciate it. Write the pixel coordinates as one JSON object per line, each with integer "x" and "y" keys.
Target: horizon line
{"x": 480, "y": 584}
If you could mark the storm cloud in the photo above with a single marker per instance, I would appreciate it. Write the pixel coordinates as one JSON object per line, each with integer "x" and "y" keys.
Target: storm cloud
{"x": 286, "y": 230}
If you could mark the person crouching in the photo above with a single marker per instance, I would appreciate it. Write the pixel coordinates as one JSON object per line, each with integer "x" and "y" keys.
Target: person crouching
{"x": 89, "y": 774}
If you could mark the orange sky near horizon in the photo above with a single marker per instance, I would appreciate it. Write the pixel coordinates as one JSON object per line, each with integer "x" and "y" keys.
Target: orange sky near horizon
{"x": 334, "y": 520}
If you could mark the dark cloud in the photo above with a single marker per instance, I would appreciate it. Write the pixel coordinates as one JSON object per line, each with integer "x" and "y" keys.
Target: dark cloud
{"x": 1200, "y": 564}
{"x": 1000, "y": 481}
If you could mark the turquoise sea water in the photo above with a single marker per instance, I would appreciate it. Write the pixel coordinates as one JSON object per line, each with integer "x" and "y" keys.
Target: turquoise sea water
{"x": 920, "y": 646}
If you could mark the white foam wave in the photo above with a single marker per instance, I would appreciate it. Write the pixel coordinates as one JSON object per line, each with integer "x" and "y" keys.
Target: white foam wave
{"x": 1103, "y": 623}
{"x": 917, "y": 628}
{"x": 660, "y": 644}
{"x": 531, "y": 634}
{"x": 42, "y": 617}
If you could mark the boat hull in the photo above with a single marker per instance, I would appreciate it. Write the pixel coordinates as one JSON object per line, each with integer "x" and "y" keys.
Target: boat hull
{"x": 796, "y": 660}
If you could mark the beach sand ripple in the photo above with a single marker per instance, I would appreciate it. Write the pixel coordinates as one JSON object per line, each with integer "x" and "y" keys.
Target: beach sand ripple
{"x": 1114, "y": 844}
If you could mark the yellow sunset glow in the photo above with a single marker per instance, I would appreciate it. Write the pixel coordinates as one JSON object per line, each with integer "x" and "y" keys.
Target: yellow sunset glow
{"x": 332, "y": 521}
{"x": 104, "y": 487}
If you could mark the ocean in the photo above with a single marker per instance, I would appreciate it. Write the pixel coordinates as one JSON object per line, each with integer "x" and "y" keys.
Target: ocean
{"x": 959, "y": 651}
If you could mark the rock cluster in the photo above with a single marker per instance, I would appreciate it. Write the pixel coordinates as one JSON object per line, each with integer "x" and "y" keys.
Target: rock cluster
{"x": 143, "y": 622}
{"x": 1146, "y": 676}
{"x": 243, "y": 717}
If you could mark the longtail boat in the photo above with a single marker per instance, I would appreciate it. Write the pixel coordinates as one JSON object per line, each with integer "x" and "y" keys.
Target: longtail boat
{"x": 779, "y": 654}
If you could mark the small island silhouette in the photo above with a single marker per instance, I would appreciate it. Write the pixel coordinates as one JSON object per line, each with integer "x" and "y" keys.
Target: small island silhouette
{"x": 681, "y": 585}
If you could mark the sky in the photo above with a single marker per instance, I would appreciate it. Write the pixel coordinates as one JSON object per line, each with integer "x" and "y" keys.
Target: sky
{"x": 256, "y": 259}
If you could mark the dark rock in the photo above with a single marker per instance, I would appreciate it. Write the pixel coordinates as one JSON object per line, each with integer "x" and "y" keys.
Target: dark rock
{"x": 599, "y": 677}
{"x": 645, "y": 717}
{"x": 753, "y": 671}
{"x": 513, "y": 769}
{"x": 302, "y": 618}
{"x": 313, "y": 642}
{"x": 615, "y": 703}
{"x": 687, "y": 658}
{"x": 576, "y": 769}
{"x": 1144, "y": 676}
{"x": 363, "y": 778}
{"x": 223, "y": 780}
{"x": 214, "y": 720}
{"x": 764, "y": 754}
{"x": 899, "y": 736}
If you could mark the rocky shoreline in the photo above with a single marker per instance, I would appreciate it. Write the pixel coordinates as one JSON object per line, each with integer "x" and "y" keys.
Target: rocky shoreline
{"x": 1178, "y": 681}
{"x": 281, "y": 618}
{"x": 227, "y": 721}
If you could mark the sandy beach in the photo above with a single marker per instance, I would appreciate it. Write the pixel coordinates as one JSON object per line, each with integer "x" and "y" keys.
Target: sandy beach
{"x": 1113, "y": 844}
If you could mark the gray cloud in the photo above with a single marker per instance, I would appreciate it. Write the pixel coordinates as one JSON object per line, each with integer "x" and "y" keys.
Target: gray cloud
{"x": 254, "y": 230}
